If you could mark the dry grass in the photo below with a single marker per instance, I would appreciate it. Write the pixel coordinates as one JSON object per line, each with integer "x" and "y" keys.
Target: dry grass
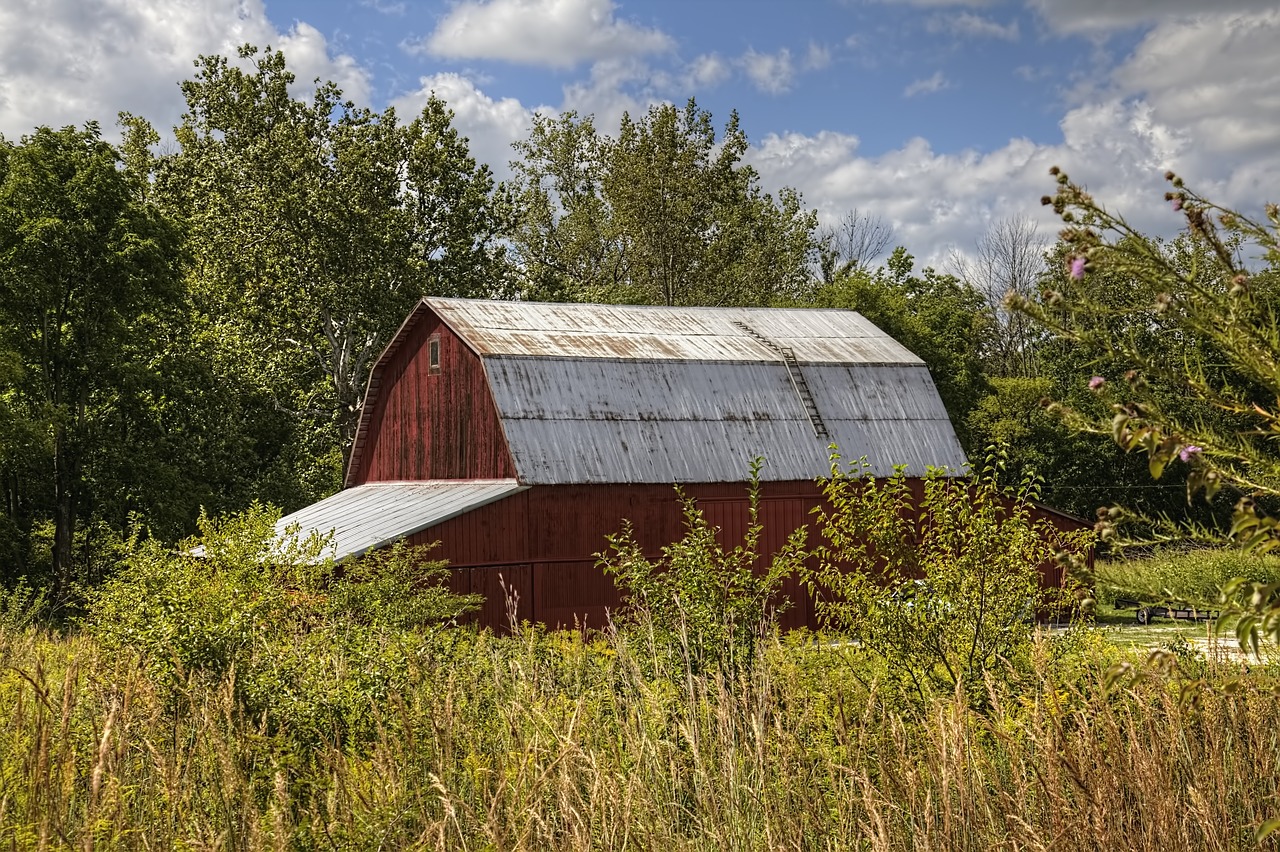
{"x": 547, "y": 742}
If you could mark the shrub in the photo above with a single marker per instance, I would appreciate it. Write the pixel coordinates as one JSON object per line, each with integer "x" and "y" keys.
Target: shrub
{"x": 940, "y": 587}
{"x": 304, "y": 643}
{"x": 700, "y": 602}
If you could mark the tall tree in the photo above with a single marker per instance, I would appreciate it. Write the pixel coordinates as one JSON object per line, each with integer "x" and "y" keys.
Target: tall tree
{"x": 663, "y": 213}
{"x": 852, "y": 243}
{"x": 1009, "y": 259}
{"x": 316, "y": 225}
{"x": 84, "y": 261}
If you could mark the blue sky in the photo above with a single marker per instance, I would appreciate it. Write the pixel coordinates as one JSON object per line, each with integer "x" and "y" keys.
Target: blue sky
{"x": 940, "y": 116}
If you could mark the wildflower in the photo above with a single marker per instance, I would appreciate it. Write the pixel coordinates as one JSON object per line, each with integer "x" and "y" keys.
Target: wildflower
{"x": 1189, "y": 452}
{"x": 1077, "y": 268}
{"x": 1096, "y": 382}
{"x": 1177, "y": 202}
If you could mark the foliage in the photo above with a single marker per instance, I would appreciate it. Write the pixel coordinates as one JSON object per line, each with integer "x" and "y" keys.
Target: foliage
{"x": 239, "y": 602}
{"x": 665, "y": 213}
{"x": 701, "y": 600}
{"x": 941, "y": 585}
{"x": 317, "y": 226}
{"x": 1177, "y": 575}
{"x": 1217, "y": 313}
{"x": 21, "y": 605}
{"x": 89, "y": 269}
{"x": 553, "y": 741}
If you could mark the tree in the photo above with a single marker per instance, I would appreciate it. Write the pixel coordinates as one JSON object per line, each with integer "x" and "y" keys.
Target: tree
{"x": 852, "y": 243}
{"x": 86, "y": 263}
{"x": 315, "y": 226}
{"x": 1009, "y": 260}
{"x": 937, "y": 317}
{"x": 665, "y": 213}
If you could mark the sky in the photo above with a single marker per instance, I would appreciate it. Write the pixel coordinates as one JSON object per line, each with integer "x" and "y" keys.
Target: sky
{"x": 939, "y": 116}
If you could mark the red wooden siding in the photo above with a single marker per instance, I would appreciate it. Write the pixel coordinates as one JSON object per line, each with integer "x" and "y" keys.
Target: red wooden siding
{"x": 554, "y": 532}
{"x": 433, "y": 425}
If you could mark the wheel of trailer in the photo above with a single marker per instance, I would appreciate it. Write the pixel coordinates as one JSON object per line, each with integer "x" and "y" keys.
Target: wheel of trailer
{"x": 1143, "y": 615}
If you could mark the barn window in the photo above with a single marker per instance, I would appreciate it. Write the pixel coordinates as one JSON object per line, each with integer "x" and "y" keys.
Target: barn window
{"x": 433, "y": 353}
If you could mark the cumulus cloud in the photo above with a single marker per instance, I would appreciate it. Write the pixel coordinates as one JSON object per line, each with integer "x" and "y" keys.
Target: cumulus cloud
{"x": 706, "y": 71}
{"x": 67, "y": 62}
{"x": 1101, "y": 16}
{"x": 940, "y": 202}
{"x": 927, "y": 86}
{"x": 772, "y": 73}
{"x": 552, "y": 33}
{"x": 969, "y": 25}
{"x": 1218, "y": 78}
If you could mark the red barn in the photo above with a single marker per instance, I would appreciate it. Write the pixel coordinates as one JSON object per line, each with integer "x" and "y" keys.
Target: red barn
{"x": 519, "y": 435}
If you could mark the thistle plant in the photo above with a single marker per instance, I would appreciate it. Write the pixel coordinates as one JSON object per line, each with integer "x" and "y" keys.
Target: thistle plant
{"x": 1186, "y": 339}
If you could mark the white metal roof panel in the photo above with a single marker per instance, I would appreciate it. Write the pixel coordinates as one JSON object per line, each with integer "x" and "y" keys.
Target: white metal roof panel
{"x": 600, "y": 420}
{"x": 645, "y": 332}
{"x": 378, "y": 513}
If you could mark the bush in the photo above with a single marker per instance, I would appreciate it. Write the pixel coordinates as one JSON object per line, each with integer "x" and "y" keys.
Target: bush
{"x": 702, "y": 604}
{"x": 940, "y": 587}
{"x": 1174, "y": 576}
{"x": 304, "y": 643}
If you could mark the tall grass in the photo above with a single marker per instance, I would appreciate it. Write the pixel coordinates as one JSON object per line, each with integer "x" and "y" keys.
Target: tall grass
{"x": 549, "y": 741}
{"x": 1193, "y": 576}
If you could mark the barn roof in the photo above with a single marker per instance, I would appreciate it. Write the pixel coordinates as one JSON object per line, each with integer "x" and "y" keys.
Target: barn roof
{"x": 369, "y": 516}
{"x": 638, "y": 394}
{"x": 653, "y": 333}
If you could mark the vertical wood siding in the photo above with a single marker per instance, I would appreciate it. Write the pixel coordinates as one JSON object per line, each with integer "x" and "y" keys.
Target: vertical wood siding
{"x": 434, "y": 425}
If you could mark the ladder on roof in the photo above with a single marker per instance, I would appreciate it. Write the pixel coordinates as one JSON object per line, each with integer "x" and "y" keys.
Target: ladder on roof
{"x": 788, "y": 356}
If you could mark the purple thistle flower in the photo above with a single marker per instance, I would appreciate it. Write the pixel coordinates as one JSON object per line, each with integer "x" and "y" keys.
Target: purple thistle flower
{"x": 1077, "y": 268}
{"x": 1177, "y": 203}
{"x": 1096, "y": 382}
{"x": 1189, "y": 452}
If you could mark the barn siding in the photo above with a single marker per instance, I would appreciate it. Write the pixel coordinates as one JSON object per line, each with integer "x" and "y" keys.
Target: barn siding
{"x": 433, "y": 425}
{"x": 555, "y": 531}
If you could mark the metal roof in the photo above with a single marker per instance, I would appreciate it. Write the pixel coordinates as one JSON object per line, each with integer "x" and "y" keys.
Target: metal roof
{"x": 634, "y": 394}
{"x": 369, "y": 516}
{"x": 574, "y": 420}
{"x": 645, "y": 332}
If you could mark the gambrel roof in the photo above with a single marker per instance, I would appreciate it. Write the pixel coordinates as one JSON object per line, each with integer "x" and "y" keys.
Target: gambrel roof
{"x": 635, "y": 394}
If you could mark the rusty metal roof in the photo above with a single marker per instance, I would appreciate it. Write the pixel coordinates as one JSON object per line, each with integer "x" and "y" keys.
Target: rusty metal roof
{"x": 378, "y": 513}
{"x": 645, "y": 332}
{"x": 570, "y": 420}
{"x": 639, "y": 394}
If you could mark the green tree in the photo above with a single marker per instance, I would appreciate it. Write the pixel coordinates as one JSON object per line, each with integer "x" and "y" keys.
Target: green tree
{"x": 86, "y": 264}
{"x": 665, "y": 213}
{"x": 938, "y": 317}
{"x": 314, "y": 227}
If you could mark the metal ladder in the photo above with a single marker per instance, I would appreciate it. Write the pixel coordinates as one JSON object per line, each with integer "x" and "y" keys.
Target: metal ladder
{"x": 788, "y": 356}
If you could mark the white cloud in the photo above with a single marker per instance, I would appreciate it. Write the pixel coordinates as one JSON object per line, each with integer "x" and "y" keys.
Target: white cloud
{"x": 818, "y": 57}
{"x": 1100, "y": 16}
{"x": 490, "y": 124}
{"x": 706, "y": 71}
{"x": 938, "y": 202}
{"x": 927, "y": 86}
{"x": 772, "y": 73}
{"x": 1218, "y": 78}
{"x": 969, "y": 25}
{"x": 553, "y": 33}
{"x": 67, "y": 62}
